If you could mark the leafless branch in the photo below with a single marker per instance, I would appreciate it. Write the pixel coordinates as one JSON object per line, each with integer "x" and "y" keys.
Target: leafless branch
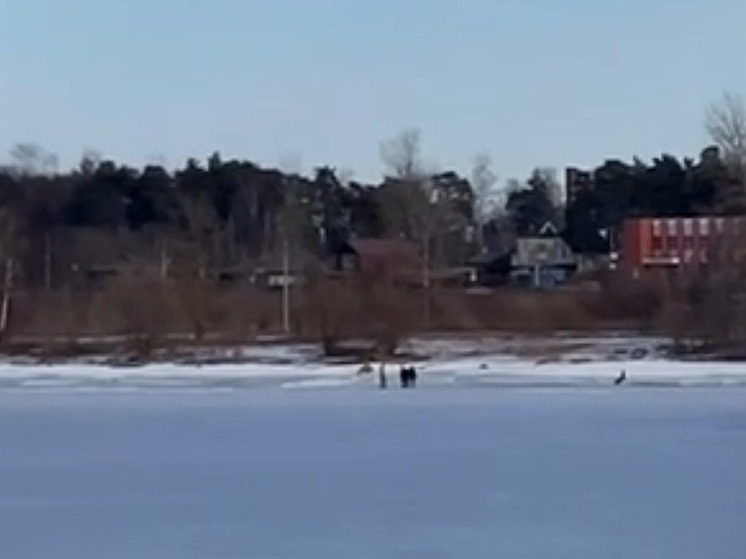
{"x": 402, "y": 155}
{"x": 725, "y": 123}
{"x": 483, "y": 181}
{"x": 30, "y": 159}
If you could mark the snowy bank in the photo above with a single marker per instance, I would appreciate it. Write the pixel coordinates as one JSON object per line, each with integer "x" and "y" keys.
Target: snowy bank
{"x": 501, "y": 360}
{"x": 482, "y": 370}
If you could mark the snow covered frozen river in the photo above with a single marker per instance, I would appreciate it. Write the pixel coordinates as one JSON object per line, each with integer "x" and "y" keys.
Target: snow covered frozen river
{"x": 359, "y": 473}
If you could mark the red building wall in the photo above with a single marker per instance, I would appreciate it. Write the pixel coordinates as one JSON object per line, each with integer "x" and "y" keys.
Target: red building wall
{"x": 676, "y": 242}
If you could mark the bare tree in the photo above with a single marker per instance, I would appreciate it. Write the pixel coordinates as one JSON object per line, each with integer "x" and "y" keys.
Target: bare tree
{"x": 89, "y": 162}
{"x": 414, "y": 200}
{"x": 30, "y": 159}
{"x": 144, "y": 303}
{"x": 409, "y": 190}
{"x": 402, "y": 155}
{"x": 193, "y": 264}
{"x": 725, "y": 122}
{"x": 483, "y": 181}
{"x": 8, "y": 247}
{"x": 198, "y": 299}
{"x": 332, "y": 309}
{"x": 717, "y": 312}
{"x": 545, "y": 179}
{"x": 388, "y": 312}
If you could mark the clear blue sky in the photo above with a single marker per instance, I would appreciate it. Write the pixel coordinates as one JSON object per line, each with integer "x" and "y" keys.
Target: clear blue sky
{"x": 533, "y": 82}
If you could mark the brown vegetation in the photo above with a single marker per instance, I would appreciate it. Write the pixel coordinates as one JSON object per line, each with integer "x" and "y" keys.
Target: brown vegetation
{"x": 363, "y": 316}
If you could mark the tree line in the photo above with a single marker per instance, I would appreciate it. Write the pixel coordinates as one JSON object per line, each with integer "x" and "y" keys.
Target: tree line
{"x": 159, "y": 242}
{"x": 236, "y": 213}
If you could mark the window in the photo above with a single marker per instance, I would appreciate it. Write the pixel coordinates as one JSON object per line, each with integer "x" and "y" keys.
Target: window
{"x": 688, "y": 227}
{"x": 672, "y": 233}
{"x": 657, "y": 246}
{"x": 656, "y": 227}
{"x": 704, "y": 226}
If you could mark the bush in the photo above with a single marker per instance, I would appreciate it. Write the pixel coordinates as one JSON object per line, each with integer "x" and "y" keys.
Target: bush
{"x": 145, "y": 305}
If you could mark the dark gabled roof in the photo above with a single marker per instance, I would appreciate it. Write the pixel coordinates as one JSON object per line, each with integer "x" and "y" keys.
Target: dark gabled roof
{"x": 494, "y": 263}
{"x": 490, "y": 257}
{"x": 549, "y": 229}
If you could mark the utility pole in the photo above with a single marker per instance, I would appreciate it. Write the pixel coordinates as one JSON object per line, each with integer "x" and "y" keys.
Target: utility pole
{"x": 47, "y": 262}
{"x": 285, "y": 286}
{"x": 426, "y": 278}
{"x": 5, "y": 304}
{"x": 429, "y": 225}
{"x": 164, "y": 260}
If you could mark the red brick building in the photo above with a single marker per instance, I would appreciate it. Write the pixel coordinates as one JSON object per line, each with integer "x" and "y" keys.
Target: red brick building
{"x": 676, "y": 242}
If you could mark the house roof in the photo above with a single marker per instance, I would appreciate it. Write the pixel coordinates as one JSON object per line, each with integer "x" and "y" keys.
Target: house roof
{"x": 549, "y": 229}
{"x": 385, "y": 252}
{"x": 384, "y": 247}
{"x": 489, "y": 257}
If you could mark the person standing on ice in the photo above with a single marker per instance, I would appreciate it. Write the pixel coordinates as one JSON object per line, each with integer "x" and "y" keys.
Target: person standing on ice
{"x": 412, "y": 377}
{"x": 404, "y": 377}
{"x": 382, "y": 382}
{"x": 408, "y": 377}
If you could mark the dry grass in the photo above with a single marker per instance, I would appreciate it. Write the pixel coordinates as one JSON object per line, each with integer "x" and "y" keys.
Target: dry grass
{"x": 156, "y": 313}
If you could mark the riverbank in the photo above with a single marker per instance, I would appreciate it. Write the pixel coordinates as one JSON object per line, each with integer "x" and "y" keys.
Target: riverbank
{"x": 491, "y": 360}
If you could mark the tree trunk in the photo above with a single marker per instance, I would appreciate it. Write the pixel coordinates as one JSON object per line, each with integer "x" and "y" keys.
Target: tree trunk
{"x": 5, "y": 304}
{"x": 47, "y": 262}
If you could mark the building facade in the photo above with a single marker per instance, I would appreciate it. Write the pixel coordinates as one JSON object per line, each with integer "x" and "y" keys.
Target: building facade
{"x": 677, "y": 242}
{"x": 577, "y": 182}
{"x": 542, "y": 261}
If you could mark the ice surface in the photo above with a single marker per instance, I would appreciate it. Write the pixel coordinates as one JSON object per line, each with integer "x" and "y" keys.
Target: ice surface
{"x": 490, "y": 369}
{"x": 479, "y": 360}
{"x": 353, "y": 472}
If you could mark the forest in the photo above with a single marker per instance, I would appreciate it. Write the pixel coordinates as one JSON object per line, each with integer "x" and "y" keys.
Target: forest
{"x": 239, "y": 213}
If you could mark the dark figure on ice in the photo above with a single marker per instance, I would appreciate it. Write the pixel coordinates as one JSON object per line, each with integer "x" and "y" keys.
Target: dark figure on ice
{"x": 408, "y": 376}
{"x": 382, "y": 381}
{"x": 621, "y": 378}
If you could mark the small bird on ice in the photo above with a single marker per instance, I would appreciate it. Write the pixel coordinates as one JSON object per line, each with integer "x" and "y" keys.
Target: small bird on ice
{"x": 621, "y": 378}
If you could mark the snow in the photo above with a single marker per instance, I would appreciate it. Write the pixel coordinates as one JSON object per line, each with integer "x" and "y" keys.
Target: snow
{"x": 352, "y": 471}
{"x": 498, "y": 360}
{"x": 487, "y": 369}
